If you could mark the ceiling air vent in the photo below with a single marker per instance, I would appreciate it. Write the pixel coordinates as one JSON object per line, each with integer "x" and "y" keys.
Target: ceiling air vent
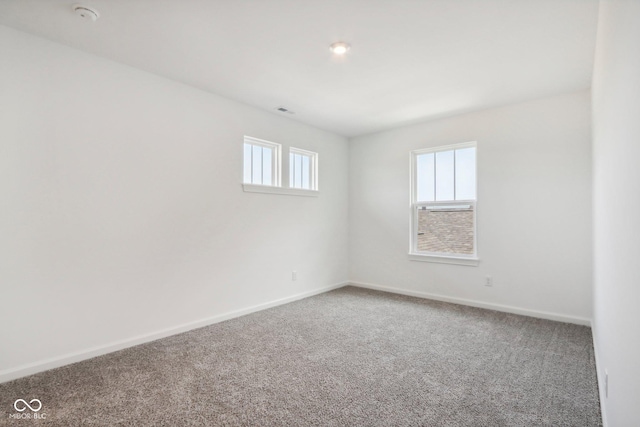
{"x": 284, "y": 110}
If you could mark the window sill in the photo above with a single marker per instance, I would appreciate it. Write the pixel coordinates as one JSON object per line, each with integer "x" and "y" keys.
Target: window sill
{"x": 268, "y": 189}
{"x": 443, "y": 259}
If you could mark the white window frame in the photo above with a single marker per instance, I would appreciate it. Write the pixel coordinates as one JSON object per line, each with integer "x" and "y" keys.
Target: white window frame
{"x": 313, "y": 168}
{"x": 276, "y": 171}
{"x": 414, "y": 205}
{"x": 276, "y": 161}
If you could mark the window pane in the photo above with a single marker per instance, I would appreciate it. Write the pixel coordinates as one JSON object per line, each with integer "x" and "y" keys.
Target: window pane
{"x": 267, "y": 162}
{"x": 305, "y": 173}
{"x": 425, "y": 175}
{"x": 445, "y": 229}
{"x": 291, "y": 169}
{"x": 444, "y": 176}
{"x": 298, "y": 175}
{"x": 256, "y": 177}
{"x": 247, "y": 164}
{"x": 466, "y": 174}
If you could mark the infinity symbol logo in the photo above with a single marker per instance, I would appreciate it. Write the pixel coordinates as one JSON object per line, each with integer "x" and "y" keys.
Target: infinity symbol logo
{"x": 27, "y": 405}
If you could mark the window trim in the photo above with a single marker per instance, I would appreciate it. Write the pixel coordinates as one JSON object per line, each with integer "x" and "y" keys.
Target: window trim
{"x": 439, "y": 257}
{"x": 270, "y": 189}
{"x": 276, "y": 160}
{"x": 313, "y": 166}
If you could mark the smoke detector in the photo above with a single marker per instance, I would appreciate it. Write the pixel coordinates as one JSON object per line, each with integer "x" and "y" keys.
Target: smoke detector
{"x": 85, "y": 12}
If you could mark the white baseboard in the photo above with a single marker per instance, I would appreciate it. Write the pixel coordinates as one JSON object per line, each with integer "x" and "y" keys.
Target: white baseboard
{"x": 56, "y": 362}
{"x": 599, "y": 373}
{"x": 474, "y": 303}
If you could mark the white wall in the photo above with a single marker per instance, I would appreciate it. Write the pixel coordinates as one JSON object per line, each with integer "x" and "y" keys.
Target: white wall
{"x": 122, "y": 212}
{"x": 534, "y": 209}
{"x": 616, "y": 165}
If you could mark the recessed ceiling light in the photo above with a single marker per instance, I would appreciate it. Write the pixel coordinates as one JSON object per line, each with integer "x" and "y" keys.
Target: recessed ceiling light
{"x": 86, "y": 12}
{"x": 339, "y": 48}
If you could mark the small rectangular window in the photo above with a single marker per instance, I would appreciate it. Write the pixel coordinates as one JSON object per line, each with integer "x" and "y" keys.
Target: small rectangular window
{"x": 261, "y": 162}
{"x": 443, "y": 202}
{"x": 303, "y": 169}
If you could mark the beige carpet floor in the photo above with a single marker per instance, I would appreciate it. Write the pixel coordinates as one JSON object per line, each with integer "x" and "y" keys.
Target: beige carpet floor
{"x": 350, "y": 357}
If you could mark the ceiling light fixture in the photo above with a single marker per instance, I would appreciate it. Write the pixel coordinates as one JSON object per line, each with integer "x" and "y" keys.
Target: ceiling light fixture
{"x": 85, "y": 12}
{"x": 339, "y": 48}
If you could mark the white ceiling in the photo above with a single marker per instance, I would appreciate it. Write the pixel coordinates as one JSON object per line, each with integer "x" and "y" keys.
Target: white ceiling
{"x": 411, "y": 60}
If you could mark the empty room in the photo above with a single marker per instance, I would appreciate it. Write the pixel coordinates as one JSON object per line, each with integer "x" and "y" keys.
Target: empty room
{"x": 320, "y": 213}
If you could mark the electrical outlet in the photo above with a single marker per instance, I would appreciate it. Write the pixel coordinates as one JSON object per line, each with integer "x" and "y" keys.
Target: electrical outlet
{"x": 606, "y": 384}
{"x": 294, "y": 275}
{"x": 488, "y": 281}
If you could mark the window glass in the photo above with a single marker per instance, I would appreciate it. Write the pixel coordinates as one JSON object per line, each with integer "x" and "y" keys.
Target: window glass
{"x": 444, "y": 175}
{"x": 446, "y": 229}
{"x": 247, "y": 163}
{"x": 297, "y": 178}
{"x": 465, "y": 173}
{"x": 256, "y": 164}
{"x": 426, "y": 177}
{"x": 306, "y": 171}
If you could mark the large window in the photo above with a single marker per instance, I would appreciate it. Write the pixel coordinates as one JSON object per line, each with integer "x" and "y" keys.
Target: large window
{"x": 443, "y": 204}
{"x": 302, "y": 169}
{"x": 261, "y": 162}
